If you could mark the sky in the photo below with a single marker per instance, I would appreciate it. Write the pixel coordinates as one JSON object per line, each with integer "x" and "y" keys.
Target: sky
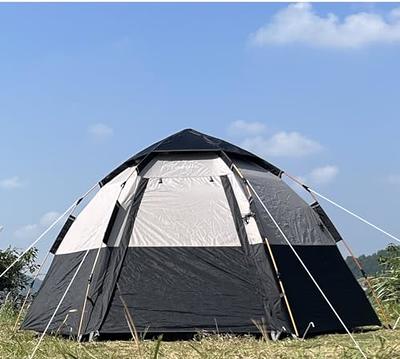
{"x": 314, "y": 89}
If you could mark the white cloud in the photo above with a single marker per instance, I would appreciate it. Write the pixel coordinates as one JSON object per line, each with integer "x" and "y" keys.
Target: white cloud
{"x": 241, "y": 128}
{"x": 299, "y": 23}
{"x": 323, "y": 175}
{"x": 31, "y": 231}
{"x": 393, "y": 179}
{"x": 11, "y": 183}
{"x": 282, "y": 144}
{"x": 27, "y": 232}
{"x": 100, "y": 131}
{"x": 48, "y": 218}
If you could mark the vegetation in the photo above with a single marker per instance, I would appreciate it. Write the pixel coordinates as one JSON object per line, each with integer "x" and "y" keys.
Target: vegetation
{"x": 381, "y": 344}
{"x": 18, "y": 277}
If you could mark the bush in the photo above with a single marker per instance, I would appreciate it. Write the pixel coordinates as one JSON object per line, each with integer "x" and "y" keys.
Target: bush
{"x": 387, "y": 284}
{"x": 18, "y": 277}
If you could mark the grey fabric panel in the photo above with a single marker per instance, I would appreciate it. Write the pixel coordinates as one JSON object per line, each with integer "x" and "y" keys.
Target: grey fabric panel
{"x": 52, "y": 289}
{"x": 299, "y": 222}
{"x": 256, "y": 260}
{"x": 186, "y": 289}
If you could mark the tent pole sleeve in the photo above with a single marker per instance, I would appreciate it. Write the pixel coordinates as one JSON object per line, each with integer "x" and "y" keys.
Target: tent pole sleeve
{"x": 355, "y": 215}
{"x": 371, "y": 288}
{"x": 69, "y": 210}
{"x": 307, "y": 271}
{"x": 239, "y": 173}
{"x": 59, "y": 304}
{"x": 30, "y": 290}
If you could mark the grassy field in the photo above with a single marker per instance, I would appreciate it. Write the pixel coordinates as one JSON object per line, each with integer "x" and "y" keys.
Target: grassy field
{"x": 376, "y": 344}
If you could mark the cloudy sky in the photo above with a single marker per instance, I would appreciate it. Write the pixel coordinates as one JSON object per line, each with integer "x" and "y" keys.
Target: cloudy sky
{"x": 313, "y": 89}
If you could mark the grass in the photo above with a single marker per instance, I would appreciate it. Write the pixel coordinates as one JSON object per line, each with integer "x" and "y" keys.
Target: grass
{"x": 376, "y": 344}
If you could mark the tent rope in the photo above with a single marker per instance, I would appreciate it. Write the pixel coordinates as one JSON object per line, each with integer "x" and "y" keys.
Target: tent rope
{"x": 355, "y": 215}
{"x": 307, "y": 271}
{"x": 59, "y": 304}
{"x": 71, "y": 208}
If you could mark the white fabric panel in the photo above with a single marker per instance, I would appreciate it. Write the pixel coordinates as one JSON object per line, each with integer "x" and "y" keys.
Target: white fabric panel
{"x": 186, "y": 165}
{"x": 253, "y": 233}
{"x": 89, "y": 227}
{"x": 184, "y": 212}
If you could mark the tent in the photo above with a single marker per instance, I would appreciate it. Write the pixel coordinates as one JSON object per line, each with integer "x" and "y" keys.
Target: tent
{"x": 174, "y": 241}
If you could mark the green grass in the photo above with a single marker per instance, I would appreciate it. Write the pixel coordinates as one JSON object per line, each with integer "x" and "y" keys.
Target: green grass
{"x": 376, "y": 344}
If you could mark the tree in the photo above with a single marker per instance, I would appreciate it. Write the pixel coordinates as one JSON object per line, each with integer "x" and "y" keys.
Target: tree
{"x": 18, "y": 277}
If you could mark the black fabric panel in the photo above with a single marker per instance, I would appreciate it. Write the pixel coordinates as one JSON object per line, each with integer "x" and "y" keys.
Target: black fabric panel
{"x": 110, "y": 226}
{"x": 67, "y": 225}
{"x": 188, "y": 140}
{"x": 110, "y": 266}
{"x": 257, "y": 260}
{"x": 326, "y": 221}
{"x": 330, "y": 271}
{"x": 52, "y": 289}
{"x": 185, "y": 289}
{"x": 295, "y": 217}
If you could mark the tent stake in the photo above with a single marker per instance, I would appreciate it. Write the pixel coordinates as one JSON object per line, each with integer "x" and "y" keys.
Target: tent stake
{"x": 71, "y": 208}
{"x": 59, "y": 304}
{"x": 275, "y": 266}
{"x": 307, "y": 270}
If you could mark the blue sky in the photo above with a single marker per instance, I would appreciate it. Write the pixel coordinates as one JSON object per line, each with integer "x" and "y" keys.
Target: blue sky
{"x": 85, "y": 86}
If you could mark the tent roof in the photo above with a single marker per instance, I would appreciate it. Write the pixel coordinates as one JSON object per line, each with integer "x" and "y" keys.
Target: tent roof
{"x": 189, "y": 140}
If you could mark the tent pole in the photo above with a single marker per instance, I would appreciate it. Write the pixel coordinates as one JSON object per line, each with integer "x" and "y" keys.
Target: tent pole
{"x": 59, "y": 304}
{"x": 307, "y": 270}
{"x": 30, "y": 290}
{"x": 94, "y": 267}
{"x": 356, "y": 261}
{"x": 272, "y": 258}
{"x": 71, "y": 208}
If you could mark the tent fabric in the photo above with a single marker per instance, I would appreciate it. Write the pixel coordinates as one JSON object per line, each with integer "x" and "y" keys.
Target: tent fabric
{"x": 299, "y": 222}
{"x": 188, "y": 211}
{"x": 175, "y": 230}
{"x": 326, "y": 221}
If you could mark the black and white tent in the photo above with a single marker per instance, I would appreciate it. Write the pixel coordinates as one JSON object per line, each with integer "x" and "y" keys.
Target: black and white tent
{"x": 176, "y": 238}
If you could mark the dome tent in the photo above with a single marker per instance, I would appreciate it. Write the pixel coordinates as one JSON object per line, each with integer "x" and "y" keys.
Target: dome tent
{"x": 175, "y": 239}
